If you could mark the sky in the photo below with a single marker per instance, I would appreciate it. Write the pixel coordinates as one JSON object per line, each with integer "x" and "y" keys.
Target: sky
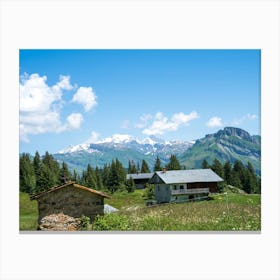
{"x": 70, "y": 97}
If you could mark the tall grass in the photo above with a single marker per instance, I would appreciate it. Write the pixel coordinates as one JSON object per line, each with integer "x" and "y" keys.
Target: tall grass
{"x": 28, "y": 213}
{"x": 242, "y": 214}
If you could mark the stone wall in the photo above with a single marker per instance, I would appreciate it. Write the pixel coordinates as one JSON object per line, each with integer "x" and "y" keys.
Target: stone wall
{"x": 70, "y": 201}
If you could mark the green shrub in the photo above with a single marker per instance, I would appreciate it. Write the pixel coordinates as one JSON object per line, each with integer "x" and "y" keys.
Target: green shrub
{"x": 149, "y": 192}
{"x": 122, "y": 188}
{"x": 130, "y": 185}
{"x": 111, "y": 222}
{"x": 85, "y": 222}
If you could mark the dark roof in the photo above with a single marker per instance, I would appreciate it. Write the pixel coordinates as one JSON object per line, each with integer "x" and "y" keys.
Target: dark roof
{"x": 140, "y": 176}
{"x": 35, "y": 196}
{"x": 188, "y": 176}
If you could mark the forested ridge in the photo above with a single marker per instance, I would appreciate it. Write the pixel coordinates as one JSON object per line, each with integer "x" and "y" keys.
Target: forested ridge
{"x": 39, "y": 173}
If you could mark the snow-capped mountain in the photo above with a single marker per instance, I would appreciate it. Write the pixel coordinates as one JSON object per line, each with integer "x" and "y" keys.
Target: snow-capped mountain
{"x": 124, "y": 142}
{"x": 122, "y": 146}
{"x": 227, "y": 144}
{"x": 73, "y": 149}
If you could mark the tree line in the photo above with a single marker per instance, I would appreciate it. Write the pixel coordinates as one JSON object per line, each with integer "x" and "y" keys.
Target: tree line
{"x": 237, "y": 174}
{"x": 42, "y": 173}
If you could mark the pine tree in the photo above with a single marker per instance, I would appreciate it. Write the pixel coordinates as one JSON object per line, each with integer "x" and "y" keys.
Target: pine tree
{"x": 235, "y": 181}
{"x": 145, "y": 168}
{"x": 205, "y": 164}
{"x": 217, "y": 167}
{"x": 173, "y": 163}
{"x": 121, "y": 174}
{"x": 83, "y": 180}
{"x": 130, "y": 185}
{"x": 138, "y": 167}
{"x": 131, "y": 167}
{"x": 99, "y": 180}
{"x": 75, "y": 176}
{"x": 64, "y": 173}
{"x": 117, "y": 176}
{"x": 240, "y": 172}
{"x": 259, "y": 185}
{"x": 112, "y": 179}
{"x": 91, "y": 181}
{"x": 36, "y": 163}
{"x": 53, "y": 166}
{"x": 252, "y": 178}
{"x": 248, "y": 182}
{"x": 228, "y": 172}
{"x": 105, "y": 175}
{"x": 46, "y": 179}
{"x": 157, "y": 166}
{"x": 27, "y": 174}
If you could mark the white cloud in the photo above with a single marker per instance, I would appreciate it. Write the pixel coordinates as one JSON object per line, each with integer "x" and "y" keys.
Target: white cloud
{"x": 93, "y": 137}
{"x": 74, "y": 121}
{"x": 162, "y": 124}
{"x": 250, "y": 117}
{"x": 36, "y": 95}
{"x": 144, "y": 120}
{"x": 181, "y": 118}
{"x": 64, "y": 82}
{"x": 37, "y": 123}
{"x": 40, "y": 106}
{"x": 215, "y": 122}
{"x": 86, "y": 97}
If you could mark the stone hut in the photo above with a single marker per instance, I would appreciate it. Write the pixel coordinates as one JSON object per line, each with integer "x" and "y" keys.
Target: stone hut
{"x": 70, "y": 199}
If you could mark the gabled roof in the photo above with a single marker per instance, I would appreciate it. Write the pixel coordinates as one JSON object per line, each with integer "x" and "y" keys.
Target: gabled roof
{"x": 66, "y": 185}
{"x": 140, "y": 176}
{"x": 188, "y": 176}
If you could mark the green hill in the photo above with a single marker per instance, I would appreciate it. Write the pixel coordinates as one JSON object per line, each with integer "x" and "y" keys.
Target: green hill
{"x": 227, "y": 144}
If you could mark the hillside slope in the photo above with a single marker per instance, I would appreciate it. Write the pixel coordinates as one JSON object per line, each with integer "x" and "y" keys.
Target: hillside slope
{"x": 230, "y": 144}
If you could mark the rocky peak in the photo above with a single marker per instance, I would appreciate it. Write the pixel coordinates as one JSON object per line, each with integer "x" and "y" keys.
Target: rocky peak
{"x": 233, "y": 131}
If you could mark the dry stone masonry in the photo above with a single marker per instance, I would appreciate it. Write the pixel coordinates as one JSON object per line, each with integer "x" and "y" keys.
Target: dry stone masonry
{"x": 70, "y": 199}
{"x": 60, "y": 222}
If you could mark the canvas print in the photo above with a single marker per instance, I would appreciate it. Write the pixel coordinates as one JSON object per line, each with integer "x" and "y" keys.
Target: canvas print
{"x": 140, "y": 140}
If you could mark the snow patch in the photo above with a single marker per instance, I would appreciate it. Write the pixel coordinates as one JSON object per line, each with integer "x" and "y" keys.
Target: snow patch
{"x": 73, "y": 149}
{"x": 117, "y": 138}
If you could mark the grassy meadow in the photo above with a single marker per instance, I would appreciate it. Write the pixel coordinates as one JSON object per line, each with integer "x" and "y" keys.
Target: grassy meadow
{"x": 242, "y": 214}
{"x": 28, "y": 213}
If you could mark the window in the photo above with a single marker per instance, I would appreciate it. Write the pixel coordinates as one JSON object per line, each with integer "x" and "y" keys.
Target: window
{"x": 181, "y": 187}
{"x": 174, "y": 187}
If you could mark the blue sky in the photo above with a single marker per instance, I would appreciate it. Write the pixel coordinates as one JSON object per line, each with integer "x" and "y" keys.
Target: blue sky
{"x": 74, "y": 96}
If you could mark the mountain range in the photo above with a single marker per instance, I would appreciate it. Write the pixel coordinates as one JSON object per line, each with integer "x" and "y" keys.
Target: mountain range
{"x": 229, "y": 143}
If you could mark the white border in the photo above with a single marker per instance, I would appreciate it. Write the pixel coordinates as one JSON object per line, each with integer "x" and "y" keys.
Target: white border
{"x": 145, "y": 24}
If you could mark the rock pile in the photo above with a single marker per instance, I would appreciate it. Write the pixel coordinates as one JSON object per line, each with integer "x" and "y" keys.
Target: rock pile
{"x": 60, "y": 222}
